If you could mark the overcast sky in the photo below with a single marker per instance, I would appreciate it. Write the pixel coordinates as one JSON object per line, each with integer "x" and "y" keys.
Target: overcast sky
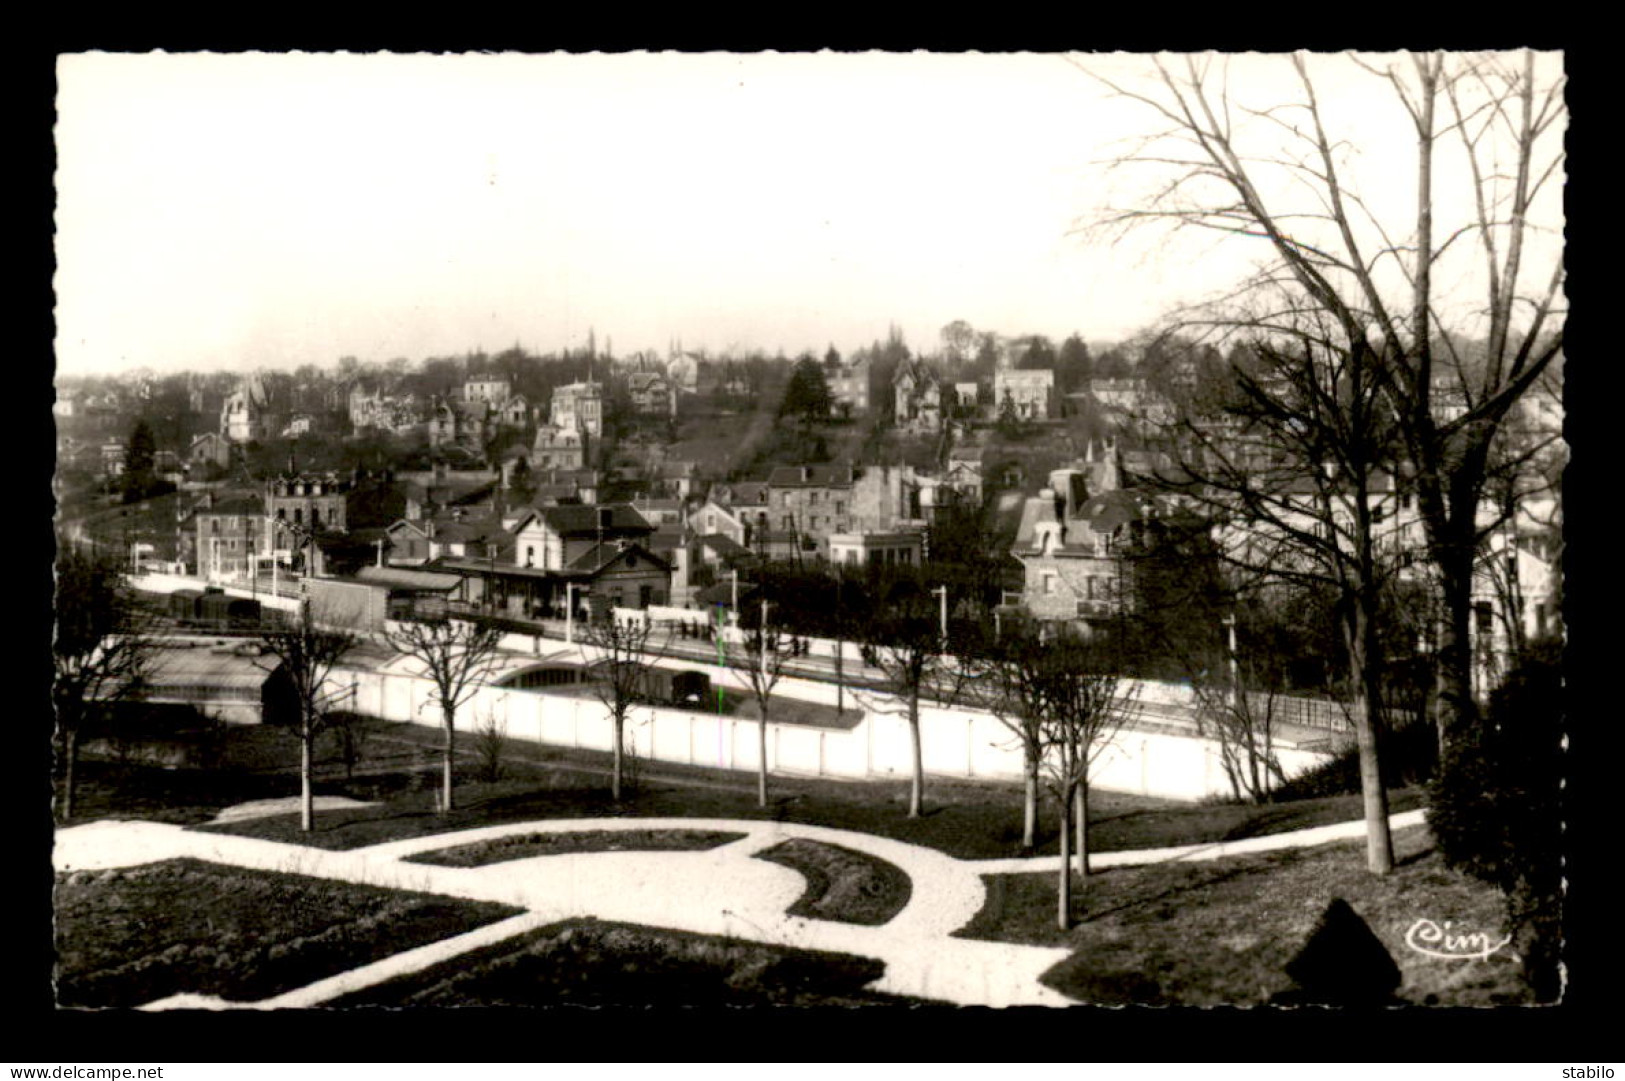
{"x": 236, "y": 211}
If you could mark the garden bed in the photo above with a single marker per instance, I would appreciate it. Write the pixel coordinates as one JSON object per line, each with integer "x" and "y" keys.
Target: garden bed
{"x": 593, "y": 963}
{"x": 843, "y": 885}
{"x": 131, "y": 936}
{"x": 1221, "y": 932}
{"x": 524, "y": 846}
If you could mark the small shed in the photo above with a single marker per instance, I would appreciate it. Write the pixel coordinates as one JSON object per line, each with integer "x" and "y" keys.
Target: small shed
{"x": 233, "y": 681}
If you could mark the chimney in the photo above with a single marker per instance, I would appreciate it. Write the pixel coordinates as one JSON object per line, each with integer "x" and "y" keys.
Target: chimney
{"x": 1070, "y": 492}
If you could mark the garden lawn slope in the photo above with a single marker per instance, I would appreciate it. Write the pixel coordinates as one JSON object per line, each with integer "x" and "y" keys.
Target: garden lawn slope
{"x": 131, "y": 936}
{"x": 1221, "y": 932}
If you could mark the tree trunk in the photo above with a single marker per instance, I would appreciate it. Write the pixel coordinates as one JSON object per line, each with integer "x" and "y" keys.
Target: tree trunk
{"x": 1063, "y": 890}
{"x": 446, "y": 799}
{"x": 1455, "y": 678}
{"x": 1367, "y": 723}
{"x": 761, "y": 761}
{"x": 1029, "y": 814}
{"x": 916, "y": 791}
{"x": 70, "y": 751}
{"x": 1080, "y": 804}
{"x": 307, "y": 802}
{"x": 615, "y": 770}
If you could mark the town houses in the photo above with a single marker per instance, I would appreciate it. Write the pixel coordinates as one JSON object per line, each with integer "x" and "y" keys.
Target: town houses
{"x": 607, "y": 486}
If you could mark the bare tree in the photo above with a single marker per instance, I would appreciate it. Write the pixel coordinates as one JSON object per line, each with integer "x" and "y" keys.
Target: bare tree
{"x": 1009, "y": 684}
{"x": 766, "y": 653}
{"x": 459, "y": 656}
{"x": 904, "y": 639}
{"x": 1082, "y": 708}
{"x": 1310, "y": 458}
{"x": 1390, "y": 286}
{"x": 619, "y": 662}
{"x": 102, "y": 651}
{"x": 306, "y": 651}
{"x": 1242, "y": 721}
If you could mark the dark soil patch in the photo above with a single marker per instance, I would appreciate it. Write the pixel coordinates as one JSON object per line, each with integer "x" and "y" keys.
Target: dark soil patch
{"x": 843, "y": 885}
{"x": 590, "y": 963}
{"x": 526, "y": 845}
{"x": 130, "y": 936}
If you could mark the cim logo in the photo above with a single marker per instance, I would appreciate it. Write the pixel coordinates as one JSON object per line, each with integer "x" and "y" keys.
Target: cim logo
{"x": 1431, "y": 940}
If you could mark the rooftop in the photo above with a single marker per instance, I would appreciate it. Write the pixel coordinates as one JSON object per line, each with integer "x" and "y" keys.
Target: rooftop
{"x": 811, "y": 476}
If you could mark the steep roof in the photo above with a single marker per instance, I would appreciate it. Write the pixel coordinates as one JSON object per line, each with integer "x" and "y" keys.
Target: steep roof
{"x": 724, "y": 545}
{"x": 811, "y": 476}
{"x": 745, "y": 493}
{"x": 234, "y": 504}
{"x": 600, "y": 557}
{"x": 464, "y": 532}
{"x": 584, "y": 519}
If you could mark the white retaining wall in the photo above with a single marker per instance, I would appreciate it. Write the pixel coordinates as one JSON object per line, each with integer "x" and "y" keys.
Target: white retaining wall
{"x": 955, "y": 742}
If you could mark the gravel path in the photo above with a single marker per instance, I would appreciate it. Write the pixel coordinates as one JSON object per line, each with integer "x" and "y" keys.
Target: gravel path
{"x": 722, "y": 891}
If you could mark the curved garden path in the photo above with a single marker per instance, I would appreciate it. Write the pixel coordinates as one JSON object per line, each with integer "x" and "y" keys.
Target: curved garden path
{"x": 720, "y": 891}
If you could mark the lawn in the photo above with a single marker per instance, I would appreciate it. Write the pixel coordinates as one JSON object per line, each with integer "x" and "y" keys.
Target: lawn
{"x": 962, "y": 819}
{"x": 842, "y": 885}
{"x": 593, "y": 963}
{"x": 130, "y": 936}
{"x": 966, "y": 819}
{"x": 525, "y": 846}
{"x": 1221, "y": 932}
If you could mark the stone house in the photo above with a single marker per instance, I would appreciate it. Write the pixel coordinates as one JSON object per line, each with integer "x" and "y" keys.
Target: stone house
{"x": 490, "y": 389}
{"x": 1031, "y": 392}
{"x": 1072, "y": 546}
{"x": 579, "y": 406}
{"x": 918, "y": 398}
{"x": 849, "y": 386}
{"x": 552, "y": 538}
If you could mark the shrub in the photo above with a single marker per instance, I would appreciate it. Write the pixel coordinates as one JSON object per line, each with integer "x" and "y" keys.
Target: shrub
{"x": 1496, "y": 807}
{"x": 1409, "y": 756}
